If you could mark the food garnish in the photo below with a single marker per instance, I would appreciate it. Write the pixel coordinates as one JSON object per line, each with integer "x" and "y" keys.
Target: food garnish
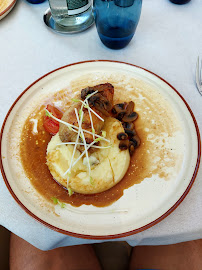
{"x": 97, "y": 102}
{"x": 135, "y": 140}
{"x": 70, "y": 192}
{"x": 128, "y": 126}
{"x": 123, "y": 145}
{"x": 93, "y": 146}
{"x": 80, "y": 134}
{"x": 81, "y": 125}
{"x": 77, "y": 139}
{"x": 52, "y": 125}
{"x": 124, "y": 113}
{"x": 86, "y": 105}
{"x": 130, "y": 117}
{"x": 56, "y": 201}
{"x": 72, "y": 127}
{"x": 64, "y": 205}
{"x": 83, "y": 139}
{"x": 122, "y": 136}
{"x": 103, "y": 99}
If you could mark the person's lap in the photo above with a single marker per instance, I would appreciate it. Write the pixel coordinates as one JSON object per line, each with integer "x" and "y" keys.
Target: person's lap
{"x": 24, "y": 256}
{"x": 183, "y": 256}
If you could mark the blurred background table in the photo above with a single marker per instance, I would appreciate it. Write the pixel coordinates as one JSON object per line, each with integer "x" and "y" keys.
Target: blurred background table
{"x": 167, "y": 41}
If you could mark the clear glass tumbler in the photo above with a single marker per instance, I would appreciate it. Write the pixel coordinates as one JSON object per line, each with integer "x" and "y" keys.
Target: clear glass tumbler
{"x": 72, "y": 14}
{"x": 116, "y": 21}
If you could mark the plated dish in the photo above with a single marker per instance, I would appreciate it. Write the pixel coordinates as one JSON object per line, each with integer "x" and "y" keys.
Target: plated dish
{"x": 5, "y": 7}
{"x": 114, "y": 188}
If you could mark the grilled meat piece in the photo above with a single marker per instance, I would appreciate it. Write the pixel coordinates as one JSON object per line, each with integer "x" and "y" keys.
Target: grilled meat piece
{"x": 67, "y": 135}
{"x": 102, "y": 100}
{"x": 101, "y": 103}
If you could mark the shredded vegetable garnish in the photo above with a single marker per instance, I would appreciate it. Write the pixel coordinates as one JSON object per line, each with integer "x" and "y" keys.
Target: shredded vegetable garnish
{"x": 74, "y": 128}
{"x": 86, "y": 106}
{"x": 84, "y": 140}
{"x": 81, "y": 155}
{"x": 98, "y": 139}
{"x": 71, "y": 209}
{"x": 56, "y": 201}
{"x": 91, "y": 121}
{"x": 80, "y": 114}
{"x": 104, "y": 133}
{"x": 91, "y": 180}
{"x": 93, "y": 146}
{"x": 89, "y": 108}
{"x": 90, "y": 95}
{"x": 80, "y": 134}
{"x": 70, "y": 192}
{"x": 48, "y": 113}
{"x": 75, "y": 100}
{"x": 70, "y": 126}
{"x": 77, "y": 139}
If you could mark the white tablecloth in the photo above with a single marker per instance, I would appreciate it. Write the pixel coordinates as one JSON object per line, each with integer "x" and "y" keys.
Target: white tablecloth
{"x": 167, "y": 42}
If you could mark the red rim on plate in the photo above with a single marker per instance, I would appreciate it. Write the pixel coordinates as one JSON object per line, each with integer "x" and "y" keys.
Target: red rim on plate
{"x": 84, "y": 236}
{"x": 8, "y": 8}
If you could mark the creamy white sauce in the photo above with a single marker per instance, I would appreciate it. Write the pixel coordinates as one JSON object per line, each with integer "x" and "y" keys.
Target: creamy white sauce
{"x": 35, "y": 123}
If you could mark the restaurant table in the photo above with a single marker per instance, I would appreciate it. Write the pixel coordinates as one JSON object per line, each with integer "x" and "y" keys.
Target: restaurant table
{"x": 167, "y": 42}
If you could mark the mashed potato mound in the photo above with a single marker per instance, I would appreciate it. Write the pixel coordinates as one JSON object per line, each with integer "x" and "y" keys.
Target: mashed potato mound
{"x": 108, "y": 165}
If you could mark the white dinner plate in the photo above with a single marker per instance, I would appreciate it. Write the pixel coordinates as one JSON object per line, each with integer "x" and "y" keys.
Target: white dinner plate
{"x": 142, "y": 205}
{"x": 5, "y": 7}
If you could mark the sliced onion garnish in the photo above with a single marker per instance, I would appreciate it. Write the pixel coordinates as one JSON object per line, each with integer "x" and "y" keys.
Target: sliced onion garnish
{"x": 93, "y": 146}
{"x": 84, "y": 140}
{"x": 81, "y": 155}
{"x": 74, "y": 127}
{"x": 77, "y": 139}
{"x": 91, "y": 120}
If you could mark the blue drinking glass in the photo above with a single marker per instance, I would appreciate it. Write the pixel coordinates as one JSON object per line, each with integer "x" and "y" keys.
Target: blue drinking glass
{"x": 36, "y": 1}
{"x": 116, "y": 21}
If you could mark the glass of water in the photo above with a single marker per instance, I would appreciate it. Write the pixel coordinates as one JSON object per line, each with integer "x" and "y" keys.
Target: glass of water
{"x": 116, "y": 21}
{"x": 72, "y": 14}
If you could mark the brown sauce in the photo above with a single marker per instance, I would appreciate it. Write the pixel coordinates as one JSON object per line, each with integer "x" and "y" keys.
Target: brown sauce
{"x": 33, "y": 156}
{"x": 142, "y": 165}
